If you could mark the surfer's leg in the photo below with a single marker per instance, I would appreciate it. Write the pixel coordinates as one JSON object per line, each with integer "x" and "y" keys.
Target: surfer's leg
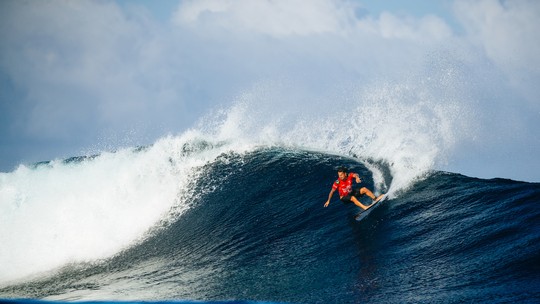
{"x": 358, "y": 203}
{"x": 367, "y": 192}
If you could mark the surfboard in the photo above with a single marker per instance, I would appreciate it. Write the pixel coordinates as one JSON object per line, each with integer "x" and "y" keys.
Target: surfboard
{"x": 360, "y": 216}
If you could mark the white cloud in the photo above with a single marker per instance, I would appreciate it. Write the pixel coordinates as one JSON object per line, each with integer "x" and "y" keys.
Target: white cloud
{"x": 325, "y": 35}
{"x": 87, "y": 66}
{"x": 275, "y": 18}
{"x": 508, "y": 31}
{"x": 82, "y": 65}
{"x": 283, "y": 18}
{"x": 390, "y": 26}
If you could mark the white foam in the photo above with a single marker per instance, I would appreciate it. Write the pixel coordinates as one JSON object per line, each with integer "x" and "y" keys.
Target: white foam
{"x": 61, "y": 213}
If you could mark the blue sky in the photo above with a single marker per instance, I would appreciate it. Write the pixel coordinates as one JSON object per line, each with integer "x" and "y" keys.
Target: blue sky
{"x": 79, "y": 77}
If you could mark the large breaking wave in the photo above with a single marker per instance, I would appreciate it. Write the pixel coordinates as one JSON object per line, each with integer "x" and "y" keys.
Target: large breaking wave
{"x": 232, "y": 209}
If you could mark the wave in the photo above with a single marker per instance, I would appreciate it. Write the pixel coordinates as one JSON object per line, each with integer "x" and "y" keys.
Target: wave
{"x": 87, "y": 208}
{"x": 232, "y": 209}
{"x": 252, "y": 226}
{"x": 92, "y": 207}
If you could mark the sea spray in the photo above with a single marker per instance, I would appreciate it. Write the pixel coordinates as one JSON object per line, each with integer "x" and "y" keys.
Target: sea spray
{"x": 411, "y": 128}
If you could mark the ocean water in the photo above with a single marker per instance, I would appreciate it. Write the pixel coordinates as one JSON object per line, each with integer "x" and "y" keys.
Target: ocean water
{"x": 251, "y": 226}
{"x": 232, "y": 210}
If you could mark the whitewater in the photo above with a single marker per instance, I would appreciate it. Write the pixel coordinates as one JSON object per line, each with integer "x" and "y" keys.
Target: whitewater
{"x": 232, "y": 209}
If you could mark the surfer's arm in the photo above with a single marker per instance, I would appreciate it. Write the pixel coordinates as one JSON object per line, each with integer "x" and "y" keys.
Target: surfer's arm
{"x": 329, "y": 197}
{"x": 358, "y": 180}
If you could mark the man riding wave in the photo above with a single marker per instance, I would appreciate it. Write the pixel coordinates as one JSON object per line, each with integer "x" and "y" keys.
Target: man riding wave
{"x": 346, "y": 192}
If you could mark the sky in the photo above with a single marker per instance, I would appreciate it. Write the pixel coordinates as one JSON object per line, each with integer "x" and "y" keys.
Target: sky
{"x": 78, "y": 77}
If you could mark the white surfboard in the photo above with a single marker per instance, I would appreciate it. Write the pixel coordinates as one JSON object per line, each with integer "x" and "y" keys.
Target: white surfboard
{"x": 360, "y": 216}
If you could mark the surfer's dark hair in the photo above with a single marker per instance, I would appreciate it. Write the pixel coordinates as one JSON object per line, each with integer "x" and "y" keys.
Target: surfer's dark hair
{"x": 342, "y": 169}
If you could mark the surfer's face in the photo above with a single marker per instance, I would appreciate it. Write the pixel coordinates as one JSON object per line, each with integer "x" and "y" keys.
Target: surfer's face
{"x": 342, "y": 175}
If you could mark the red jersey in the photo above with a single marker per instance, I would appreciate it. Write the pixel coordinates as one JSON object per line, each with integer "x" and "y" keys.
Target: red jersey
{"x": 344, "y": 186}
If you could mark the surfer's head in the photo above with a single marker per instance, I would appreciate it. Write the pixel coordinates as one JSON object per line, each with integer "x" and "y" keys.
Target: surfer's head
{"x": 342, "y": 173}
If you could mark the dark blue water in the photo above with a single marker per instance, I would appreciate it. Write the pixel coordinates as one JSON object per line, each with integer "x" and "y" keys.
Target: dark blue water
{"x": 260, "y": 232}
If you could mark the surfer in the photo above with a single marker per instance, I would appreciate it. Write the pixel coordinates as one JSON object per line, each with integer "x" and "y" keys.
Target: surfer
{"x": 346, "y": 192}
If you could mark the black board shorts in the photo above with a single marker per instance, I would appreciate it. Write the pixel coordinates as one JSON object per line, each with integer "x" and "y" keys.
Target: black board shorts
{"x": 347, "y": 198}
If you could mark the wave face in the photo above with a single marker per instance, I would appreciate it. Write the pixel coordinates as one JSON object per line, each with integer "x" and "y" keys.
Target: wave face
{"x": 251, "y": 225}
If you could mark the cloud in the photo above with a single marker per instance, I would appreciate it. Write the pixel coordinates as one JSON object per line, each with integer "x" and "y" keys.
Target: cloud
{"x": 281, "y": 19}
{"x": 323, "y": 37}
{"x": 274, "y": 18}
{"x": 507, "y": 31}
{"x": 77, "y": 69}
{"x": 390, "y": 26}
{"x": 82, "y": 67}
